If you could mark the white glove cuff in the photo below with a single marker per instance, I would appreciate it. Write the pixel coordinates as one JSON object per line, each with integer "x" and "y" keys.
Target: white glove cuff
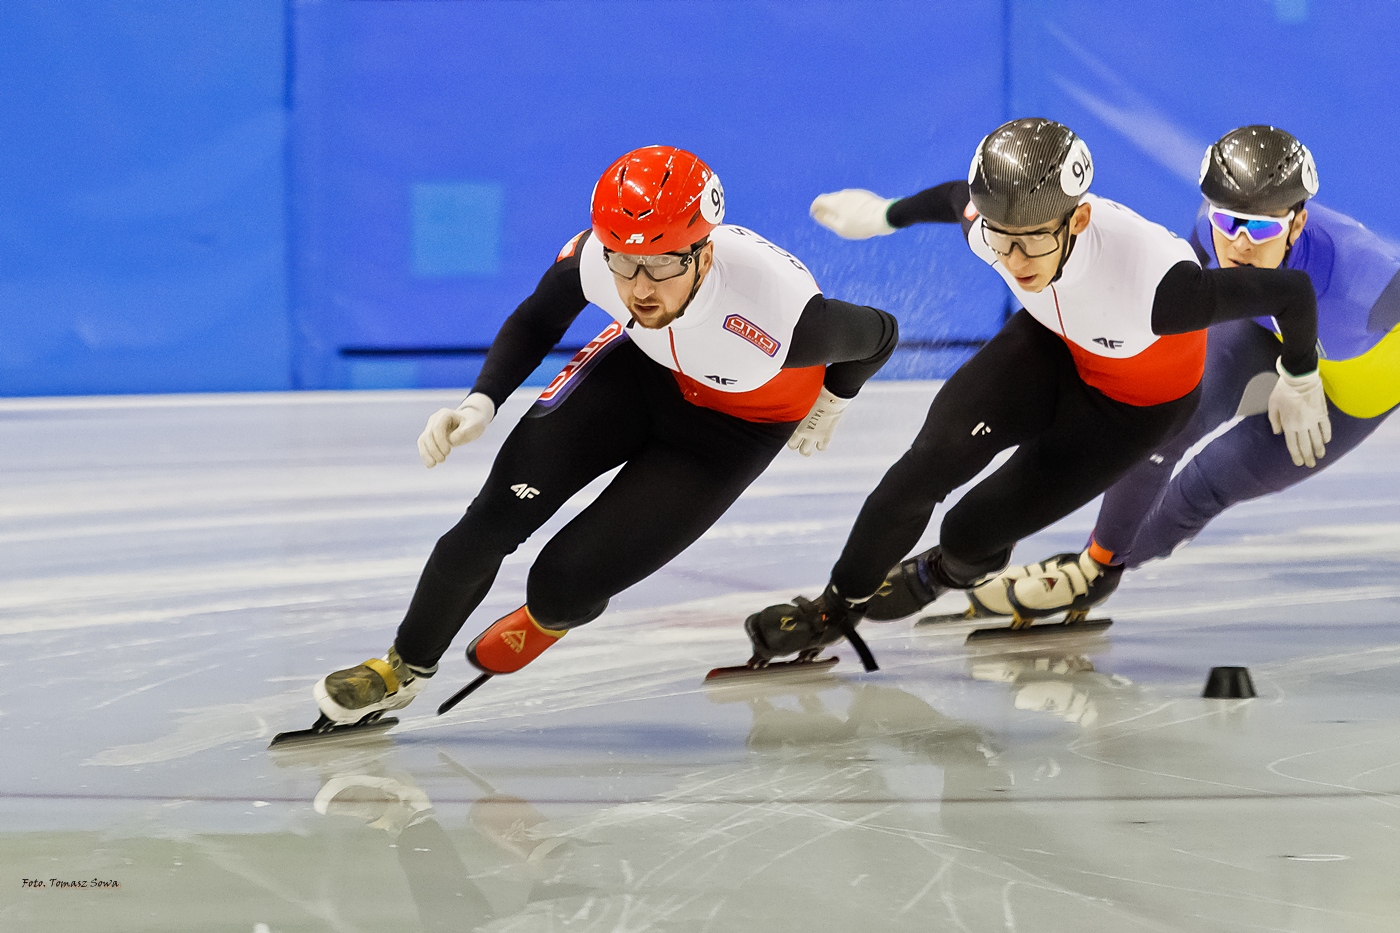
{"x": 885, "y": 216}
{"x": 1296, "y": 382}
{"x": 830, "y": 402}
{"x": 479, "y": 402}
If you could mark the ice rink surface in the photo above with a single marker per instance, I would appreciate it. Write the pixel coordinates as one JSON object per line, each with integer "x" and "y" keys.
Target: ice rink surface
{"x": 176, "y": 572}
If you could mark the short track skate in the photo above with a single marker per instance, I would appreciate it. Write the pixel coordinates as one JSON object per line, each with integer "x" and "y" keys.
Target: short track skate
{"x": 1076, "y": 623}
{"x": 972, "y": 613}
{"x": 326, "y": 729}
{"x": 806, "y": 664}
{"x": 462, "y": 694}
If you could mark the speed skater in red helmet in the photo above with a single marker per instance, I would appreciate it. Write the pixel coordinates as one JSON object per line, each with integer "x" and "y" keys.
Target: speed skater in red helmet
{"x": 722, "y": 349}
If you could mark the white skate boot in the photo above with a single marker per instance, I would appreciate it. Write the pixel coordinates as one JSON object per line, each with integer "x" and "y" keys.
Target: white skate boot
{"x": 376, "y": 686}
{"x": 1068, "y": 583}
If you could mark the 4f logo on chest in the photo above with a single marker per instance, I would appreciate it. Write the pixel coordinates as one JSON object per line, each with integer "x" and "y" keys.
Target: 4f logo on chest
{"x": 1110, "y": 344}
{"x": 524, "y": 491}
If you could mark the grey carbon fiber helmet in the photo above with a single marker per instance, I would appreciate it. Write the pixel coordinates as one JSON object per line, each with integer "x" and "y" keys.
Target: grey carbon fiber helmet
{"x": 1258, "y": 170}
{"x": 1028, "y": 173}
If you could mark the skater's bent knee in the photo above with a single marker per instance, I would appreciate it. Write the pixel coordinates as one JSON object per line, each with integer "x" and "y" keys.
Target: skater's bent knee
{"x": 967, "y": 553}
{"x": 556, "y": 608}
{"x": 963, "y": 571}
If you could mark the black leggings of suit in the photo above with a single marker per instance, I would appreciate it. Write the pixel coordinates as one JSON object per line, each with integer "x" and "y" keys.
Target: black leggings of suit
{"x": 1020, "y": 389}
{"x": 683, "y": 466}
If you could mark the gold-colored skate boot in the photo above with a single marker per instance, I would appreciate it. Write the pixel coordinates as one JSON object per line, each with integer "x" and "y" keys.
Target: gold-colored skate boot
{"x": 378, "y": 684}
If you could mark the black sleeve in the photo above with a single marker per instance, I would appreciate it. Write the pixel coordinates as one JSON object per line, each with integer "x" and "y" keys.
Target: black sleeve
{"x": 941, "y": 204}
{"x": 854, "y": 341}
{"x": 1191, "y": 298}
{"x": 533, "y": 329}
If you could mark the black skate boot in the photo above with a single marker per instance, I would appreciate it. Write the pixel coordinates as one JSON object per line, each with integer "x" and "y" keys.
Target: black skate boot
{"x": 802, "y": 627}
{"x": 909, "y": 587}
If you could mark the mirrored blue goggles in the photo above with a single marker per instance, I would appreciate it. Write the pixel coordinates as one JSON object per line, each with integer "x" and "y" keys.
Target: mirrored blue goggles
{"x": 1259, "y": 228}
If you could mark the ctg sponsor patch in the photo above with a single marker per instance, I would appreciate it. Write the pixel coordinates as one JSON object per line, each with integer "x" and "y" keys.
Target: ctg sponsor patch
{"x": 737, "y": 324}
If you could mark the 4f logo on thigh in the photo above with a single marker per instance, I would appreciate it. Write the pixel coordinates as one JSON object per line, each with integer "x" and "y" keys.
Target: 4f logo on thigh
{"x": 981, "y": 429}
{"x": 524, "y": 491}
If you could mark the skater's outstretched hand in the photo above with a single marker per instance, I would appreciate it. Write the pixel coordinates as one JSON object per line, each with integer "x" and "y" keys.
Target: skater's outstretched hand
{"x": 814, "y": 433}
{"x": 853, "y": 213}
{"x": 453, "y": 427}
{"x": 1298, "y": 411}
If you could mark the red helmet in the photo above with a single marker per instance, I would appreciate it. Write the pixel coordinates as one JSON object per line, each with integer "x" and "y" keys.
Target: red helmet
{"x": 658, "y": 199}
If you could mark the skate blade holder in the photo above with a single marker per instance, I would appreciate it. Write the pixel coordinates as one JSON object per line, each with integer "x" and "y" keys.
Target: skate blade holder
{"x": 326, "y": 732}
{"x": 970, "y": 614}
{"x": 1076, "y": 624}
{"x": 773, "y": 672}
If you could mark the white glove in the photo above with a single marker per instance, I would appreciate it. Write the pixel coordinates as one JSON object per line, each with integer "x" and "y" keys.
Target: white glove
{"x": 1298, "y": 411}
{"x": 814, "y": 433}
{"x": 853, "y": 213}
{"x": 453, "y": 427}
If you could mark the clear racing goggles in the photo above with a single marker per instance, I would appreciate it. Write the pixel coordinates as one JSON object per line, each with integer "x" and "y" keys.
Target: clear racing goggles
{"x": 1033, "y": 245}
{"x": 659, "y": 268}
{"x": 1260, "y": 228}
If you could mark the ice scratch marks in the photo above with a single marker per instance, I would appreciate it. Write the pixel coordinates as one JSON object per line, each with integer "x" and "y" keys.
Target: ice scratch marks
{"x": 1329, "y": 755}
{"x": 1341, "y": 664}
{"x": 323, "y": 908}
{"x": 1248, "y": 897}
{"x": 1274, "y": 599}
{"x": 951, "y": 906}
{"x": 199, "y": 730}
{"x": 296, "y": 517}
{"x": 936, "y": 877}
{"x": 1080, "y": 747}
{"x": 1007, "y": 914}
{"x": 757, "y": 531}
{"x": 154, "y": 684}
{"x": 1370, "y": 771}
{"x": 258, "y": 488}
{"x": 46, "y": 604}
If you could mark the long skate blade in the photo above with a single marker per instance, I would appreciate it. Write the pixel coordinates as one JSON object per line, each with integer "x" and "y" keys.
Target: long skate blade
{"x": 970, "y": 614}
{"x": 777, "y": 670}
{"x": 1037, "y": 632}
{"x": 462, "y": 694}
{"x": 317, "y": 735}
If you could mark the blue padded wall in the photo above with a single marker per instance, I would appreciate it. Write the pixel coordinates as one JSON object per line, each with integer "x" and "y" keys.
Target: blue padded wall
{"x": 257, "y": 194}
{"x": 1150, "y": 85}
{"x": 445, "y": 151}
{"x": 142, "y": 243}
